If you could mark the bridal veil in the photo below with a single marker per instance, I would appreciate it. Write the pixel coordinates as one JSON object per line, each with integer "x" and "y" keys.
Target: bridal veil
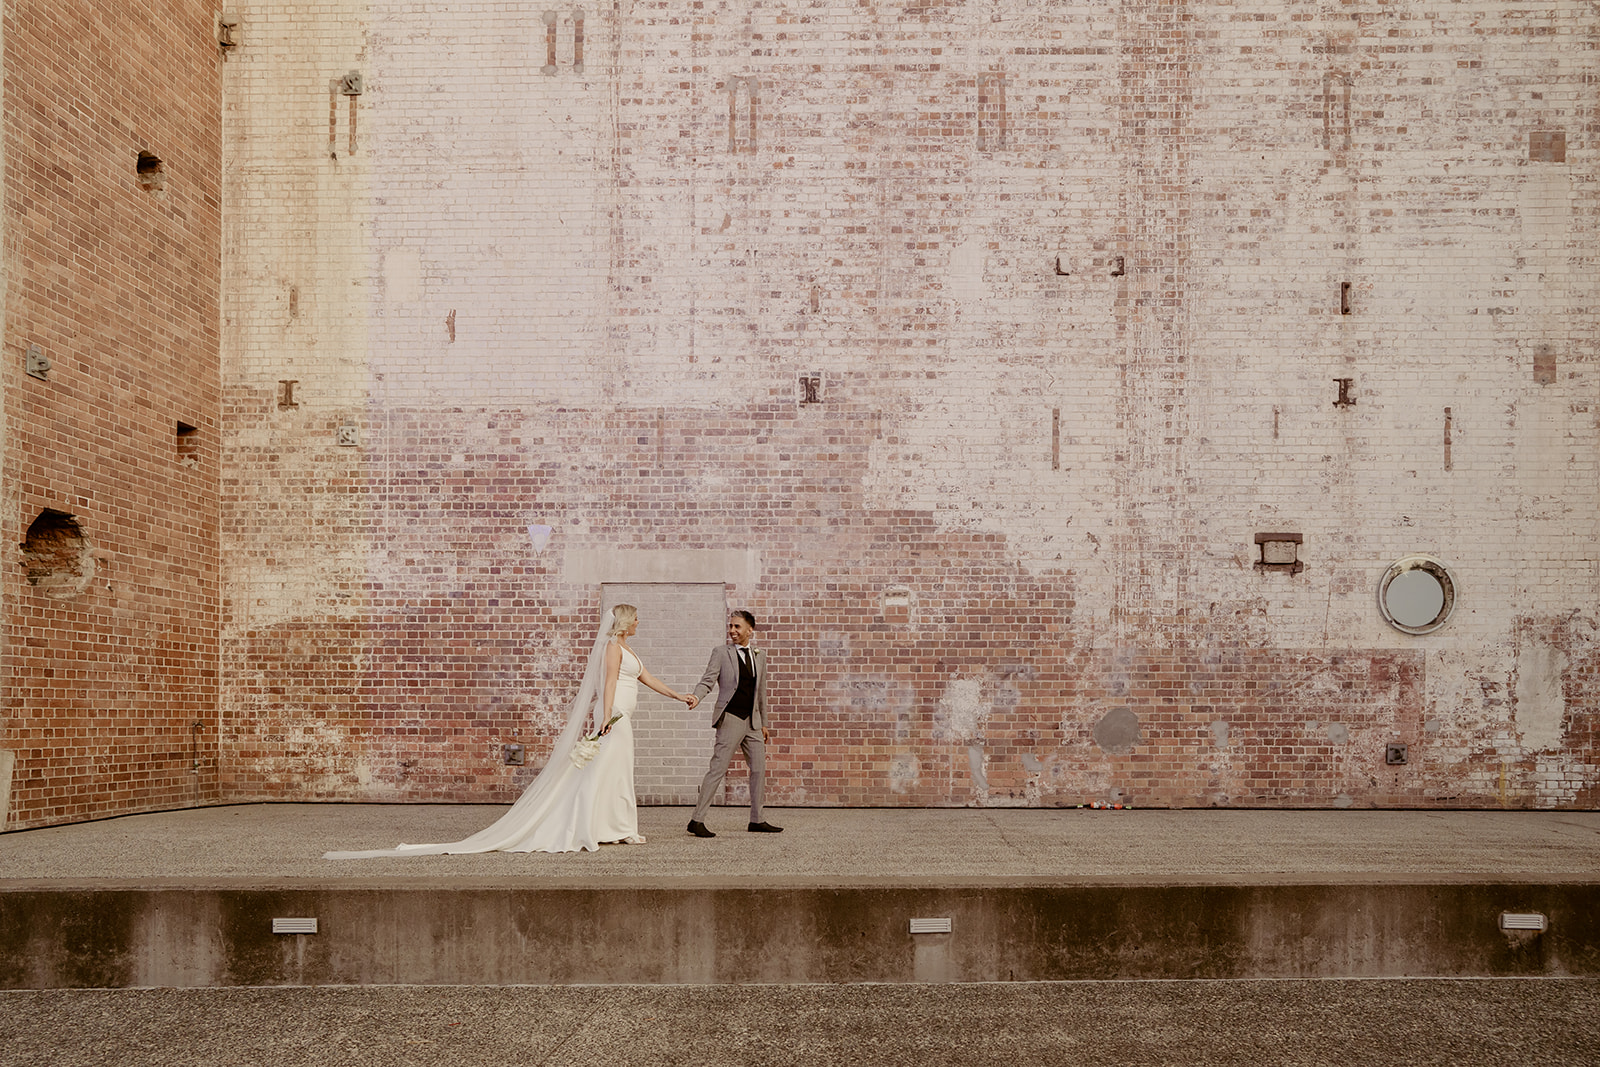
{"x": 545, "y": 791}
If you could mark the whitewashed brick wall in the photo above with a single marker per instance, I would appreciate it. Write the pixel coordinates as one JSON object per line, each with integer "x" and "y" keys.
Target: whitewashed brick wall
{"x": 589, "y": 282}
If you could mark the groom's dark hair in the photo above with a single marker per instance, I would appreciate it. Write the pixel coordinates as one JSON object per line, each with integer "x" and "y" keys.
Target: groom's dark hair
{"x": 747, "y": 617}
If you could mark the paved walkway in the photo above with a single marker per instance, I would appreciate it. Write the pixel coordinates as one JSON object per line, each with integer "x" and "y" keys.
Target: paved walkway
{"x": 1410, "y": 1023}
{"x": 282, "y": 844}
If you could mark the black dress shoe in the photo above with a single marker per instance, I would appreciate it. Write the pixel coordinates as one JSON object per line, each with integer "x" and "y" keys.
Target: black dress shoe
{"x": 698, "y": 829}
{"x": 765, "y": 828}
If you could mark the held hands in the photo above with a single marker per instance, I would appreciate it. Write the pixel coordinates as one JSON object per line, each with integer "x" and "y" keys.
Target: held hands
{"x": 691, "y": 700}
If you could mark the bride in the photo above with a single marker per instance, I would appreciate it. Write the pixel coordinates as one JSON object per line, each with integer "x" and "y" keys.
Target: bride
{"x": 575, "y": 803}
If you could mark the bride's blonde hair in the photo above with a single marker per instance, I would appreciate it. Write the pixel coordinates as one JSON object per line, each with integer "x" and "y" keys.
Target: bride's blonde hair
{"x": 621, "y": 616}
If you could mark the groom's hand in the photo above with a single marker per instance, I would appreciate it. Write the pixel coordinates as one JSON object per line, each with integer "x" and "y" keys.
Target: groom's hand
{"x": 765, "y": 736}
{"x": 691, "y": 700}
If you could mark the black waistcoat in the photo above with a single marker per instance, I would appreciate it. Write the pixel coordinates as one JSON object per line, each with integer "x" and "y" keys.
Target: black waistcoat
{"x": 744, "y": 698}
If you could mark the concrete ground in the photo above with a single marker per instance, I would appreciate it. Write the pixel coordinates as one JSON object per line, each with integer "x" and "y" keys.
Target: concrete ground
{"x": 1194, "y": 1023}
{"x": 282, "y": 844}
{"x": 1476, "y": 1023}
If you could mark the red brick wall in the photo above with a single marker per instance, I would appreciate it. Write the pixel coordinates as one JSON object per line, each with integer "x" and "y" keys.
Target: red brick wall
{"x": 1060, "y": 277}
{"x": 111, "y": 691}
{"x": 1076, "y": 281}
{"x": 466, "y": 636}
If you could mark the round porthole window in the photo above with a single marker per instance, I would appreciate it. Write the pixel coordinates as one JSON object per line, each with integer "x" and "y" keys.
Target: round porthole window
{"x": 1417, "y": 594}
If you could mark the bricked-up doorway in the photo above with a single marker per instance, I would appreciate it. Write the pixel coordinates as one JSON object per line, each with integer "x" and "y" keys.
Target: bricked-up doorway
{"x": 679, "y": 624}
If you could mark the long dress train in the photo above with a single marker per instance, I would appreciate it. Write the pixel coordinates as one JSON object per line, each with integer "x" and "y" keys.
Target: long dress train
{"x": 567, "y": 808}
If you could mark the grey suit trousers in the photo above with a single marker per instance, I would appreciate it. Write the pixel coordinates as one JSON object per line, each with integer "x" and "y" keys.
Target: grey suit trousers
{"x": 734, "y": 733}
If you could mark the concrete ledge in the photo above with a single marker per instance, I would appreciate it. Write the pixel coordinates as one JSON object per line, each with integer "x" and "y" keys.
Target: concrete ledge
{"x": 498, "y": 935}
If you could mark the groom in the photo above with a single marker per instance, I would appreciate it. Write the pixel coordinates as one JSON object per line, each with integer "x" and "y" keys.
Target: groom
{"x": 740, "y": 674}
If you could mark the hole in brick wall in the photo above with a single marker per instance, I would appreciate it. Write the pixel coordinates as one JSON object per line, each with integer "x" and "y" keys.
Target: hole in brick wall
{"x": 149, "y": 171}
{"x": 57, "y": 555}
{"x": 188, "y": 444}
{"x": 1280, "y": 552}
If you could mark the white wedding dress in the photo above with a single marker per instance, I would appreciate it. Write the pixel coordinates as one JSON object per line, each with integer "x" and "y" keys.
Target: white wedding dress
{"x": 596, "y": 805}
{"x": 566, "y": 808}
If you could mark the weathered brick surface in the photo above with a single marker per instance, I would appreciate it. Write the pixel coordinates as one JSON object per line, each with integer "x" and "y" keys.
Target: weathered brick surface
{"x": 110, "y": 696}
{"x": 1069, "y": 281}
{"x": 1071, "y": 286}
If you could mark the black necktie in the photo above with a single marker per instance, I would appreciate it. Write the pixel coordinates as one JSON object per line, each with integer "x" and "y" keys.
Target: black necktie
{"x": 744, "y": 658}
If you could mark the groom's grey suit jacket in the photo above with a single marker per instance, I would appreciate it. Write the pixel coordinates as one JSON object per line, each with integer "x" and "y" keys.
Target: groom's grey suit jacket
{"x": 723, "y": 672}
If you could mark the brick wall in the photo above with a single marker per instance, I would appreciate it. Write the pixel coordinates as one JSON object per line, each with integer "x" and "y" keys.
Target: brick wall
{"x": 679, "y": 624}
{"x": 969, "y": 346}
{"x": 110, "y": 596}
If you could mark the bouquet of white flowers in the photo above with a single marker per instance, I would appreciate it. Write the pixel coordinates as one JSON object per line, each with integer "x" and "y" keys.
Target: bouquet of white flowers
{"x": 588, "y": 746}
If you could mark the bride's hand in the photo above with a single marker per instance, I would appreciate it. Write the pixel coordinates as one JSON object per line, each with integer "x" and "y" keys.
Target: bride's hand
{"x": 691, "y": 700}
